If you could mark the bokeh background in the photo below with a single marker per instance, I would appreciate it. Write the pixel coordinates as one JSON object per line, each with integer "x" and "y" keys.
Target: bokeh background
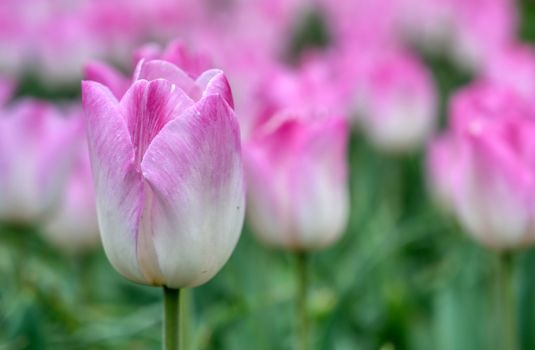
{"x": 404, "y": 275}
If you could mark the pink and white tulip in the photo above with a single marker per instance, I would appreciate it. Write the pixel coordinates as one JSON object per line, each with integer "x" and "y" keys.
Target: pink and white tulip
{"x": 167, "y": 167}
{"x": 307, "y": 90}
{"x": 36, "y": 152}
{"x": 297, "y": 181}
{"x": 486, "y": 164}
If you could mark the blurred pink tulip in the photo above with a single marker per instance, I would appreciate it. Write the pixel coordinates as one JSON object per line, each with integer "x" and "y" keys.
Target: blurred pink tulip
{"x": 486, "y": 163}
{"x": 361, "y": 22}
{"x": 307, "y": 90}
{"x": 74, "y": 227}
{"x": 36, "y": 150}
{"x": 513, "y": 67}
{"x": 297, "y": 181}
{"x": 481, "y": 29}
{"x": 397, "y": 102}
{"x": 178, "y": 53}
{"x": 427, "y": 22}
{"x": 168, "y": 173}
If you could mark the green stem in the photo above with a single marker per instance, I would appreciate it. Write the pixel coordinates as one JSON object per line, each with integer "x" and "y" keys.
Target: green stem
{"x": 184, "y": 318}
{"x": 506, "y": 302}
{"x": 171, "y": 299}
{"x": 302, "y": 291}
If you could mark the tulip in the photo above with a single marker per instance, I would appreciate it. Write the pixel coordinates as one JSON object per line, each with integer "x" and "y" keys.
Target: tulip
{"x": 36, "y": 152}
{"x": 307, "y": 90}
{"x": 74, "y": 227}
{"x": 513, "y": 67}
{"x": 298, "y": 195}
{"x": 429, "y": 23}
{"x": 495, "y": 197}
{"x": 484, "y": 165}
{"x": 168, "y": 175}
{"x": 481, "y": 29}
{"x": 297, "y": 181}
{"x": 397, "y": 103}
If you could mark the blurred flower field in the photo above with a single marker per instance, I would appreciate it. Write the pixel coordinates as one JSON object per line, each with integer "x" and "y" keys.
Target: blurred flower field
{"x": 404, "y": 275}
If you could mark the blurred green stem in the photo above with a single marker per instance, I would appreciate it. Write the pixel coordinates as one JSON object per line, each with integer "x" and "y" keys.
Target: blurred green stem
{"x": 171, "y": 331}
{"x": 302, "y": 291}
{"x": 506, "y": 301}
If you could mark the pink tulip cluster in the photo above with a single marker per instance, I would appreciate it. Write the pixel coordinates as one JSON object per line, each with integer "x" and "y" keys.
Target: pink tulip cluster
{"x": 165, "y": 144}
{"x": 56, "y": 38}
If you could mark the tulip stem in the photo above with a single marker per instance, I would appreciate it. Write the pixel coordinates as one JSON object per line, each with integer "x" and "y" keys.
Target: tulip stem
{"x": 302, "y": 291}
{"x": 506, "y": 301}
{"x": 171, "y": 332}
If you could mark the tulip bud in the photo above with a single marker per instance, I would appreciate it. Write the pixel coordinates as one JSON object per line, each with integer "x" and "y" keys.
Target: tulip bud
{"x": 297, "y": 181}
{"x": 168, "y": 174}
{"x": 36, "y": 151}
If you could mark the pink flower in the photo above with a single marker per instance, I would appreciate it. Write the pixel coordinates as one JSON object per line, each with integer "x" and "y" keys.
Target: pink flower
{"x": 192, "y": 62}
{"x": 486, "y": 162}
{"x": 306, "y": 90}
{"x": 428, "y": 22}
{"x": 167, "y": 168}
{"x": 36, "y": 150}
{"x": 481, "y": 29}
{"x": 396, "y": 102}
{"x": 361, "y": 22}
{"x": 74, "y": 227}
{"x": 513, "y": 67}
{"x": 297, "y": 181}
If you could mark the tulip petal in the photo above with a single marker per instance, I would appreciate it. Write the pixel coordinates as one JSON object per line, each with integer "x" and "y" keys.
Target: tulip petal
{"x": 214, "y": 82}
{"x": 194, "y": 169}
{"x": 119, "y": 187}
{"x": 158, "y": 69}
{"x": 148, "y": 106}
{"x": 107, "y": 76}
